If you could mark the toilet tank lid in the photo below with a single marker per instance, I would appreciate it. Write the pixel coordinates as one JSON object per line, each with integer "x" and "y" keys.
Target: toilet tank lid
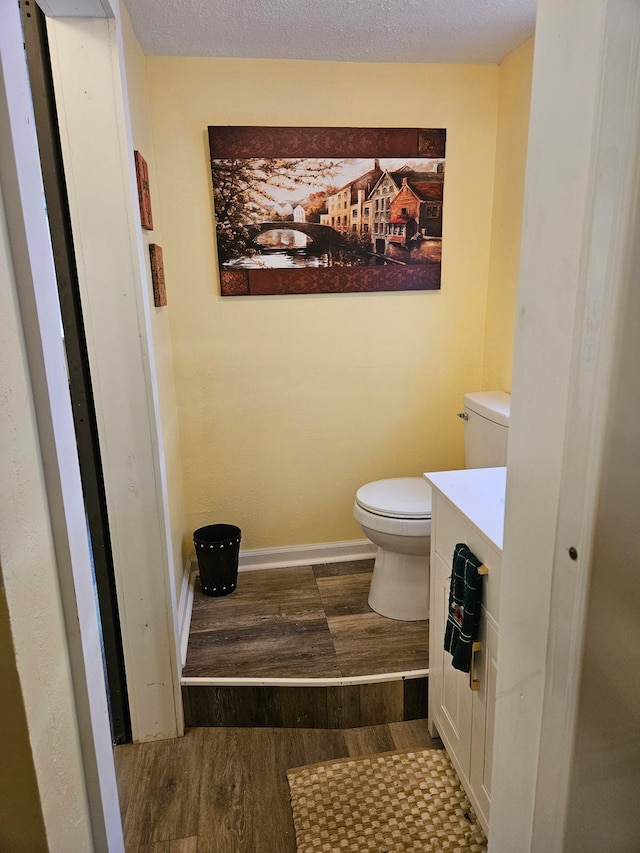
{"x": 400, "y": 497}
{"x": 494, "y": 405}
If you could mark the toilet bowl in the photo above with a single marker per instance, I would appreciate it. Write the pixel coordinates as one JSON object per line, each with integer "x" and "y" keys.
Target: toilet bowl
{"x": 395, "y": 515}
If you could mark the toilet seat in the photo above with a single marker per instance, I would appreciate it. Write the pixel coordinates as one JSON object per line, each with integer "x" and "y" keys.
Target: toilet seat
{"x": 399, "y": 497}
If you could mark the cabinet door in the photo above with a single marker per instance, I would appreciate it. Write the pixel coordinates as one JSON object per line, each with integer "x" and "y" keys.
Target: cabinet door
{"x": 450, "y": 698}
{"x": 483, "y": 713}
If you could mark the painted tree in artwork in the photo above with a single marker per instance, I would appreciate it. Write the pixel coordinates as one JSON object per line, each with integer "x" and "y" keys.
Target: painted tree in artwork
{"x": 318, "y": 203}
{"x": 242, "y": 189}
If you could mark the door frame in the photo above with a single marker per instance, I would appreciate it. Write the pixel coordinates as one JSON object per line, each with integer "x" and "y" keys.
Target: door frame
{"x": 577, "y": 262}
{"x": 46, "y": 563}
{"x": 87, "y": 59}
{"x": 84, "y": 415}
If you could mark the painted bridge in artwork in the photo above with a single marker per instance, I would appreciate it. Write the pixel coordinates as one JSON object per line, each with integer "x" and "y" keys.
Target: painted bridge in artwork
{"x": 322, "y": 235}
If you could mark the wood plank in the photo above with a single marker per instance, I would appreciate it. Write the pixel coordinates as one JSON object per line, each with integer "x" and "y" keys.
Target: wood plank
{"x": 343, "y": 706}
{"x": 260, "y": 594}
{"x": 225, "y": 805}
{"x": 234, "y": 706}
{"x": 304, "y": 707}
{"x": 349, "y": 567}
{"x": 177, "y": 845}
{"x": 297, "y": 747}
{"x": 369, "y": 740}
{"x": 413, "y": 734}
{"x": 345, "y": 594}
{"x": 416, "y": 694}
{"x": 163, "y": 802}
{"x": 244, "y": 799}
{"x": 276, "y": 647}
{"x": 368, "y": 643}
{"x": 125, "y": 758}
{"x": 381, "y": 703}
{"x": 186, "y": 706}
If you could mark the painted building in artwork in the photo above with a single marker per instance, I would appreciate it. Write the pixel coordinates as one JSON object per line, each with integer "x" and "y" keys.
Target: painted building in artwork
{"x": 380, "y": 199}
{"x": 338, "y": 206}
{"x": 347, "y": 209}
{"x": 282, "y": 210}
{"x": 287, "y": 210}
{"x": 389, "y": 207}
{"x": 416, "y": 209}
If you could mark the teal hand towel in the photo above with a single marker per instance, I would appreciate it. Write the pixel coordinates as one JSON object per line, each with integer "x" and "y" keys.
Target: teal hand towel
{"x": 465, "y": 599}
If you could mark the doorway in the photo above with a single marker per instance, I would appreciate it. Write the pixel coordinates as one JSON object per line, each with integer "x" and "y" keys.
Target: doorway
{"x": 85, "y": 424}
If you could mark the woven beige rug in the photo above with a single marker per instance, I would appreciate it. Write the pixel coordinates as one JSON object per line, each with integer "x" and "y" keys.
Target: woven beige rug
{"x": 398, "y": 802}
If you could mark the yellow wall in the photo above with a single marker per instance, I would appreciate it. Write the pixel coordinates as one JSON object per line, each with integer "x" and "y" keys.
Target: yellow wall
{"x": 288, "y": 404}
{"x": 21, "y": 822}
{"x": 508, "y": 197}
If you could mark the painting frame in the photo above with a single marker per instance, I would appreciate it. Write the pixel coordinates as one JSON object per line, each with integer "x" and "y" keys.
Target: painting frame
{"x": 259, "y": 144}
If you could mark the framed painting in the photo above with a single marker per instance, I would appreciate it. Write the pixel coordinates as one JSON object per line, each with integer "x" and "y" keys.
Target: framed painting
{"x": 302, "y": 210}
{"x": 157, "y": 276}
{"x": 144, "y": 194}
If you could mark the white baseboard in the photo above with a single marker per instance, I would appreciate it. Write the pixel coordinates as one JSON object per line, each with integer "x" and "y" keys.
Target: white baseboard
{"x": 303, "y": 555}
{"x": 185, "y": 607}
{"x": 307, "y": 555}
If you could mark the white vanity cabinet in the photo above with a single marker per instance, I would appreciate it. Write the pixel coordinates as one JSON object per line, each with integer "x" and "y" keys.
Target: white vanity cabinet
{"x": 468, "y": 506}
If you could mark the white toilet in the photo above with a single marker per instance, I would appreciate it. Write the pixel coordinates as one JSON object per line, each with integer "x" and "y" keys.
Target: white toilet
{"x": 395, "y": 514}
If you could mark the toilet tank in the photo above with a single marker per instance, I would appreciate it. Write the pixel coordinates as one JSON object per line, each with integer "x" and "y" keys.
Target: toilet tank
{"x": 486, "y": 417}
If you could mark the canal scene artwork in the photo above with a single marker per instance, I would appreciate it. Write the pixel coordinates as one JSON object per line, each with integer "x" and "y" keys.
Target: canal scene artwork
{"x": 327, "y": 210}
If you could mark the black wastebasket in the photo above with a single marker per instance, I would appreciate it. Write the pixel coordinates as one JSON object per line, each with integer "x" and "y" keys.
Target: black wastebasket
{"x": 217, "y": 550}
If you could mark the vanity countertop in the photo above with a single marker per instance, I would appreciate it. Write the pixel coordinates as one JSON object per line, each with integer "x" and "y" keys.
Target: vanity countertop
{"x": 479, "y": 494}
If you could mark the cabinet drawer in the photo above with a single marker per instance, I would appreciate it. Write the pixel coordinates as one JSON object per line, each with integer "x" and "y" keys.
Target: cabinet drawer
{"x": 450, "y": 527}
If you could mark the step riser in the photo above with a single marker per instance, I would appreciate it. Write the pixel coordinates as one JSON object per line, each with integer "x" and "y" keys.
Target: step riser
{"x": 343, "y": 707}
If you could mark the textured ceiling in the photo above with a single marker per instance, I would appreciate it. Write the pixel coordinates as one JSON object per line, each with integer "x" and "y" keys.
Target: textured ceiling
{"x": 465, "y": 31}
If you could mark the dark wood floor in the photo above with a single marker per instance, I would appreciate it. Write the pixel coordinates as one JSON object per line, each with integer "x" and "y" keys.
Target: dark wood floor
{"x": 303, "y": 622}
{"x": 224, "y": 790}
